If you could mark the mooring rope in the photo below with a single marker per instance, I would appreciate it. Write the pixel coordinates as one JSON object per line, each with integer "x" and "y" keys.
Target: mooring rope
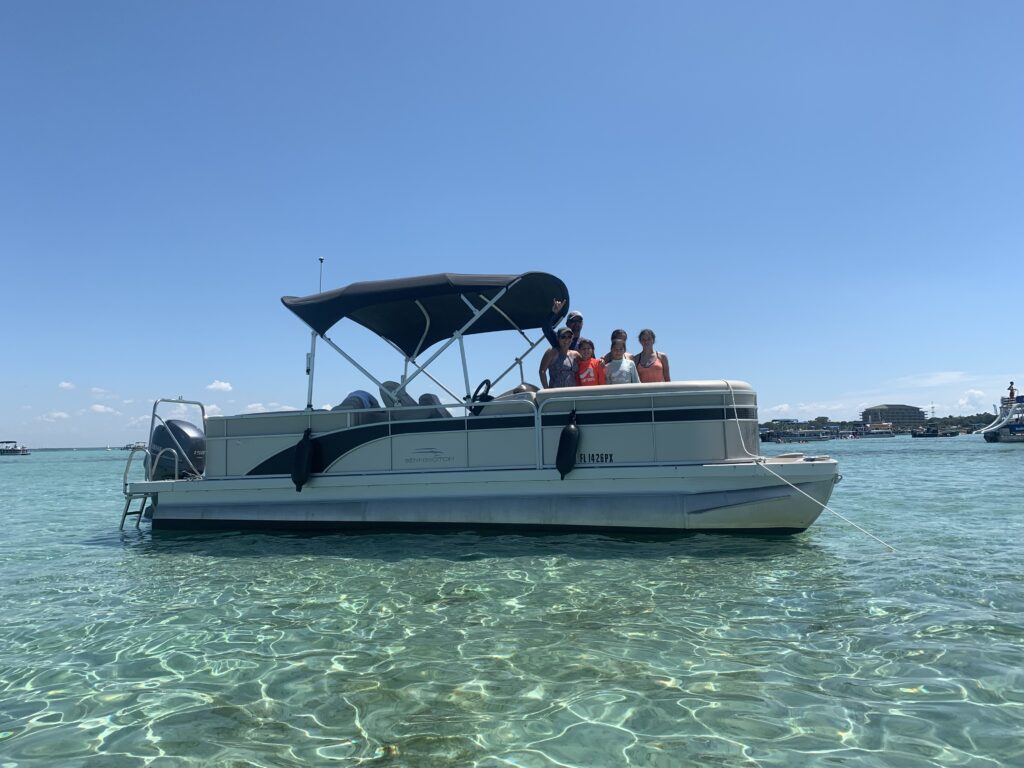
{"x": 762, "y": 462}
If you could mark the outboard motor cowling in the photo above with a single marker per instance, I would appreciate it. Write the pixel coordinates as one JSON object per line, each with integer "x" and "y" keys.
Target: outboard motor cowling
{"x": 190, "y": 439}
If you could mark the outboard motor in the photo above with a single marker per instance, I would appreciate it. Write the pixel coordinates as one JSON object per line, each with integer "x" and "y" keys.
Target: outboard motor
{"x": 190, "y": 439}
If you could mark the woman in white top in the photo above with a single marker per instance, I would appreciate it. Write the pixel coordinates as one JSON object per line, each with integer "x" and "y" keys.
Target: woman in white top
{"x": 620, "y": 370}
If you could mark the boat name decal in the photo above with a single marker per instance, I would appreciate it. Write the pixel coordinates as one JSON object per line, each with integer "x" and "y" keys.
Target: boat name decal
{"x": 429, "y": 456}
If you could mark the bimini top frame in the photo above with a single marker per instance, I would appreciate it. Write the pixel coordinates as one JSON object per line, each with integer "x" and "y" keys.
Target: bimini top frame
{"x": 412, "y": 314}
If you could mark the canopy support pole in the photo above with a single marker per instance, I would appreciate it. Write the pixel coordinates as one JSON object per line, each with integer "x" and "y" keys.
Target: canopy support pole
{"x": 309, "y": 372}
{"x": 311, "y": 357}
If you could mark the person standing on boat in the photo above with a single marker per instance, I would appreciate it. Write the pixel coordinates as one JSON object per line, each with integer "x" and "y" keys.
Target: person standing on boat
{"x": 1013, "y": 392}
{"x": 590, "y": 371}
{"x": 618, "y": 333}
{"x": 620, "y": 370}
{"x": 558, "y": 367}
{"x": 574, "y": 322}
{"x": 651, "y": 365}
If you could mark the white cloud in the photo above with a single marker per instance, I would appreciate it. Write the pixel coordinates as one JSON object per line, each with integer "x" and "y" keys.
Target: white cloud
{"x": 65, "y": 385}
{"x": 182, "y": 411}
{"x": 265, "y": 407}
{"x": 219, "y": 386}
{"x": 213, "y": 410}
{"x": 96, "y": 408}
{"x": 936, "y": 379}
{"x": 973, "y": 401}
{"x": 54, "y": 416}
{"x": 807, "y": 411}
{"x": 103, "y": 394}
{"x": 127, "y": 402}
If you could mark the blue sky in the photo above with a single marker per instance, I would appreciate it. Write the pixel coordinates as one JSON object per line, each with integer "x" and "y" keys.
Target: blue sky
{"x": 822, "y": 199}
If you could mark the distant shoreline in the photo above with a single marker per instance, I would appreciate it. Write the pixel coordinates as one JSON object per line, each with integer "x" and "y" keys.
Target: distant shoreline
{"x": 95, "y": 448}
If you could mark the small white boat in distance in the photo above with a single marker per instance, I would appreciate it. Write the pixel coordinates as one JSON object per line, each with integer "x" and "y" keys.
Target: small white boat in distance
{"x": 670, "y": 456}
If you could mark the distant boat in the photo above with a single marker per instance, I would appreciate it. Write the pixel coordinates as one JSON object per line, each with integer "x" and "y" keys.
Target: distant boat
{"x": 131, "y": 446}
{"x": 11, "y": 448}
{"x": 1008, "y": 426}
{"x": 878, "y": 429}
{"x": 934, "y": 432}
{"x": 803, "y": 436}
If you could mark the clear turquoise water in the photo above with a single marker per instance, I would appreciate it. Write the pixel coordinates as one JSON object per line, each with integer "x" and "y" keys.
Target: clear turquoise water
{"x": 125, "y": 649}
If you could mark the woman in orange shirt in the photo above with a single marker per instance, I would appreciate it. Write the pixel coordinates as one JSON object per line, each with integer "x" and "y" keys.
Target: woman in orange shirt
{"x": 651, "y": 365}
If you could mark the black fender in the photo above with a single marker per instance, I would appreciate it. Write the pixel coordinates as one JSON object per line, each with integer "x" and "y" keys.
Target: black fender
{"x": 568, "y": 446}
{"x": 303, "y": 460}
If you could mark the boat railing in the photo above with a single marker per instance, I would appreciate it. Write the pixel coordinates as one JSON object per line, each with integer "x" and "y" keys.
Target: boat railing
{"x": 177, "y": 450}
{"x": 156, "y": 461}
{"x": 545, "y": 412}
{"x": 151, "y": 463}
{"x": 128, "y": 467}
{"x": 730, "y": 408}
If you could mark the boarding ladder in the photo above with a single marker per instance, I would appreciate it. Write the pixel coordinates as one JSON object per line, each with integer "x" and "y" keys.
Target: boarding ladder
{"x": 142, "y": 496}
{"x": 152, "y": 461}
{"x": 130, "y": 496}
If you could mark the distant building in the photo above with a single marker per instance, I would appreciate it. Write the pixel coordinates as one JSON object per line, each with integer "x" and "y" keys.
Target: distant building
{"x": 900, "y": 416}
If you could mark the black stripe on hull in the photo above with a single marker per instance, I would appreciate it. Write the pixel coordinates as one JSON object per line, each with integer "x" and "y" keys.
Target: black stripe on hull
{"x": 326, "y": 449}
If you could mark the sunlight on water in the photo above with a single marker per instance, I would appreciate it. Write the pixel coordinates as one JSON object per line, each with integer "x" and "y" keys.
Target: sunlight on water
{"x": 584, "y": 650}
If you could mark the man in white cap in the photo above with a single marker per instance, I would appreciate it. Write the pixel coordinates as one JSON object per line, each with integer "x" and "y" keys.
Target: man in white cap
{"x": 574, "y": 322}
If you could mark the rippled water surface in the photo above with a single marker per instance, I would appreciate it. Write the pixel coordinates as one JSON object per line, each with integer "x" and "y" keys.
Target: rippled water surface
{"x": 125, "y": 649}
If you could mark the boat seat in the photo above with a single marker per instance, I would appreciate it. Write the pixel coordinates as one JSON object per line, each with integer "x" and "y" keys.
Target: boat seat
{"x": 518, "y": 390}
{"x": 404, "y": 398}
{"x": 360, "y": 400}
{"x": 429, "y": 398}
{"x": 510, "y": 403}
{"x": 403, "y": 402}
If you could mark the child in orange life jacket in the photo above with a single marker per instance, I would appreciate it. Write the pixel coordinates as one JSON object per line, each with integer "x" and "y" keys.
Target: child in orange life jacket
{"x": 590, "y": 371}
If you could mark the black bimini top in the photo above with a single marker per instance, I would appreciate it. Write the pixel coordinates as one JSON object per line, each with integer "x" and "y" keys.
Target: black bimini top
{"x": 402, "y": 310}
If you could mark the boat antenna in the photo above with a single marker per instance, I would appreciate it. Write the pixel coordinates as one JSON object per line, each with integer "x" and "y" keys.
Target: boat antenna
{"x": 312, "y": 348}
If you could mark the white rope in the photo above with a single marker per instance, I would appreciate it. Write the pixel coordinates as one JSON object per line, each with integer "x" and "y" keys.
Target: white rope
{"x": 762, "y": 462}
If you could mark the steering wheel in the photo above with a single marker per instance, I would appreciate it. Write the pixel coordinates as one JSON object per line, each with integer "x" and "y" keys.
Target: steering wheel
{"x": 482, "y": 393}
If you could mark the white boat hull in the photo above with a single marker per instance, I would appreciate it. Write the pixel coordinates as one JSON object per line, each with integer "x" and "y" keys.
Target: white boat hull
{"x": 727, "y": 497}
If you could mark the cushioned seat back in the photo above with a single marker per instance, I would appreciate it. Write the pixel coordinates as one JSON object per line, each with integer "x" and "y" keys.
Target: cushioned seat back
{"x": 429, "y": 398}
{"x": 357, "y": 399}
{"x": 404, "y": 398}
{"x": 404, "y": 401}
{"x": 361, "y": 400}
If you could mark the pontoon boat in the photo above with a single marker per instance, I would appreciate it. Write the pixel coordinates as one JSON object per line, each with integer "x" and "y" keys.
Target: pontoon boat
{"x": 670, "y": 456}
